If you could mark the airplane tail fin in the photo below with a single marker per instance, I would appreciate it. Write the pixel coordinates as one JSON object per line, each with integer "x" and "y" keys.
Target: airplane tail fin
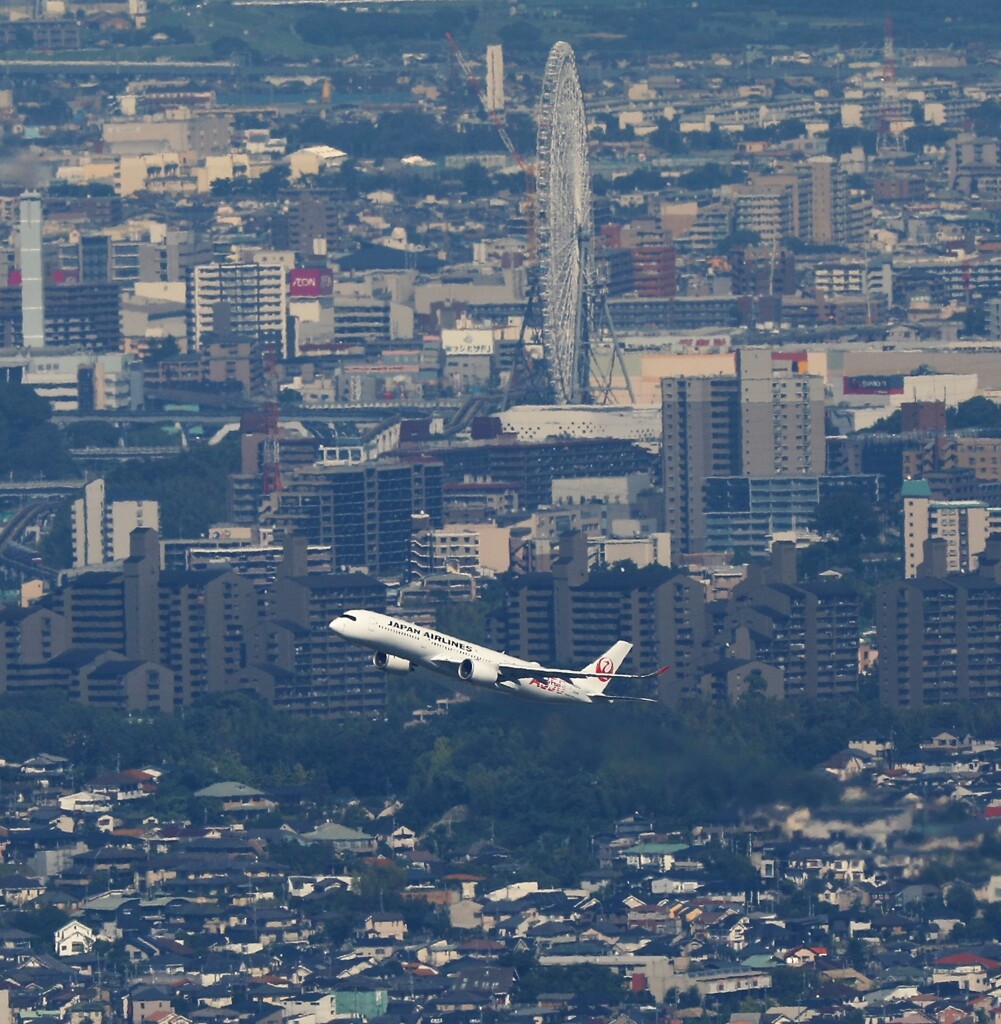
{"x": 601, "y": 669}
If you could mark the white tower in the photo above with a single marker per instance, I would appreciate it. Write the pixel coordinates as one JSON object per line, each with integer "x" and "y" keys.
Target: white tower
{"x": 495, "y": 78}
{"x": 30, "y": 258}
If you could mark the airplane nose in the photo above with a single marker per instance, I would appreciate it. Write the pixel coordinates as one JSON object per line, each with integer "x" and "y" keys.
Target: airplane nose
{"x": 341, "y": 625}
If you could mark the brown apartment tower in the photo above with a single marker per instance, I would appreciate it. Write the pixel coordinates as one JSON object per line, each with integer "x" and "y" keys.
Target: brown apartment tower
{"x": 767, "y": 421}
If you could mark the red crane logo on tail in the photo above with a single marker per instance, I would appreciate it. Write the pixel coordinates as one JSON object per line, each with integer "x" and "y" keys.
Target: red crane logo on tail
{"x": 604, "y": 669}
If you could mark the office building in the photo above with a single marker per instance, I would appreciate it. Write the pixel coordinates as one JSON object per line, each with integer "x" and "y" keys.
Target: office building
{"x": 32, "y": 281}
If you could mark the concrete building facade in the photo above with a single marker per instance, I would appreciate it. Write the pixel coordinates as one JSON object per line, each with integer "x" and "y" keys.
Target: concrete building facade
{"x": 964, "y": 526}
{"x": 32, "y": 281}
{"x": 247, "y": 299}
{"x": 939, "y": 634}
{"x": 767, "y": 421}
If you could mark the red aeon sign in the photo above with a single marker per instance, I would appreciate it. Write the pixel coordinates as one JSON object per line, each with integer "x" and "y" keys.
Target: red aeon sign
{"x": 310, "y": 282}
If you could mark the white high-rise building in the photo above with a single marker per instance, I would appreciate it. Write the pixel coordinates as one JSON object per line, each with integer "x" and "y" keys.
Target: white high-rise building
{"x": 495, "y": 77}
{"x": 965, "y": 526}
{"x": 253, "y": 295}
{"x": 102, "y": 530}
{"x": 32, "y": 283}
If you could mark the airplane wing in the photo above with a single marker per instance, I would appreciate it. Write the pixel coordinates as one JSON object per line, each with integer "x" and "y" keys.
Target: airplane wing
{"x": 570, "y": 674}
{"x": 520, "y": 671}
{"x": 611, "y": 698}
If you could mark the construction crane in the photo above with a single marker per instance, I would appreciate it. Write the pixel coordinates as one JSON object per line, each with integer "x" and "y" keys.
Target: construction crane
{"x": 498, "y": 122}
{"x": 495, "y": 119}
{"x": 530, "y": 211}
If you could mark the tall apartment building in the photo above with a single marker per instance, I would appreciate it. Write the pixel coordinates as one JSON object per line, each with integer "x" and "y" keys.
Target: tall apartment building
{"x": 808, "y": 631}
{"x": 761, "y": 270}
{"x": 992, "y": 310}
{"x": 322, "y": 673}
{"x": 767, "y": 421}
{"x": 854, "y": 277}
{"x": 939, "y": 634}
{"x": 572, "y": 616}
{"x": 746, "y": 512}
{"x": 309, "y": 224}
{"x": 701, "y": 440}
{"x": 979, "y": 455}
{"x": 75, "y": 316}
{"x": 768, "y": 210}
{"x": 964, "y": 526}
{"x": 30, "y": 259}
{"x": 494, "y": 98}
{"x": 247, "y": 299}
{"x": 363, "y": 512}
{"x": 823, "y": 202}
{"x": 203, "y": 627}
{"x": 638, "y": 258}
{"x": 101, "y": 529}
{"x": 137, "y": 638}
{"x": 781, "y": 414}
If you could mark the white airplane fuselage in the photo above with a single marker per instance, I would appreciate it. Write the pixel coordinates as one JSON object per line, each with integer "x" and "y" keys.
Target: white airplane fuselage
{"x": 401, "y": 646}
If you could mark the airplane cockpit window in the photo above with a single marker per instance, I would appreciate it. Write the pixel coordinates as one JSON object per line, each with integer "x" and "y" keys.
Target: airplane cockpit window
{"x": 350, "y": 618}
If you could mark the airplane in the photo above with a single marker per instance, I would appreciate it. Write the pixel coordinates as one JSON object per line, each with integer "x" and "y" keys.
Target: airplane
{"x": 401, "y": 647}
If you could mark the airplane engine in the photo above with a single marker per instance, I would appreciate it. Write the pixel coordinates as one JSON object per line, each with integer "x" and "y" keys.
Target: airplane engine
{"x": 391, "y": 663}
{"x": 476, "y": 672}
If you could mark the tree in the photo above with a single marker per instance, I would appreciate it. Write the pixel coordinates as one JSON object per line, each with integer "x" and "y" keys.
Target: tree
{"x": 976, "y": 413}
{"x": 986, "y": 118}
{"x": 191, "y": 487}
{"x": 850, "y": 518}
{"x": 475, "y": 179}
{"x": 961, "y": 901}
{"x": 844, "y": 140}
{"x": 667, "y": 137}
{"x": 740, "y": 239}
{"x": 56, "y": 546}
{"x": 31, "y": 446}
{"x": 711, "y": 176}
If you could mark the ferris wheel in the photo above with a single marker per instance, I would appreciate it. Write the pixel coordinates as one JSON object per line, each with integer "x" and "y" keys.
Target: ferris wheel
{"x": 565, "y": 227}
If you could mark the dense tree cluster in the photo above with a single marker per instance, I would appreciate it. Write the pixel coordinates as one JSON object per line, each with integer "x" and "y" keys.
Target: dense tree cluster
{"x": 190, "y": 486}
{"x": 31, "y": 445}
{"x": 542, "y": 782}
